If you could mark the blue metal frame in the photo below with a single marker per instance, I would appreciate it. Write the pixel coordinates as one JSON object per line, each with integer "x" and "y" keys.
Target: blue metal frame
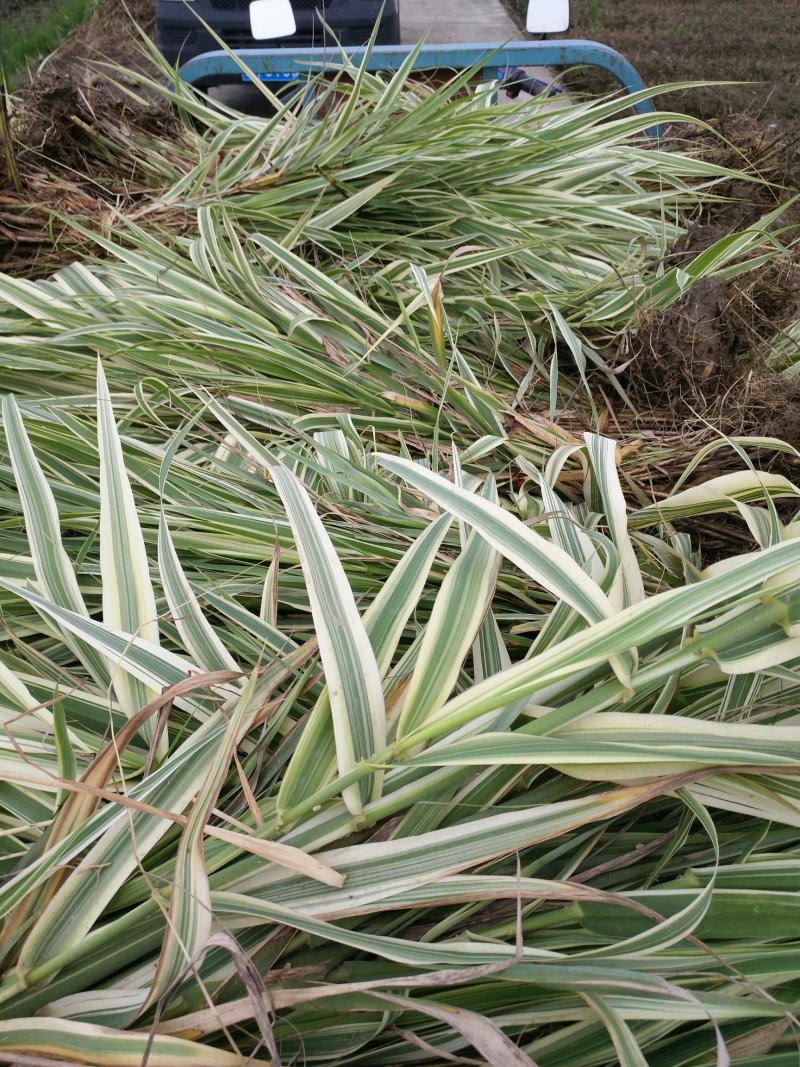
{"x": 281, "y": 64}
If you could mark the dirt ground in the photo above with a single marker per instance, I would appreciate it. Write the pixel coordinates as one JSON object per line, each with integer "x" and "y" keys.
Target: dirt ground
{"x": 706, "y": 40}
{"x": 706, "y": 355}
{"x": 57, "y": 122}
{"x": 109, "y": 35}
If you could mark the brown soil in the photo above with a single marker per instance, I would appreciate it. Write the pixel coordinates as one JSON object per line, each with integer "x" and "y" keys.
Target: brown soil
{"x": 61, "y": 125}
{"x": 110, "y": 35}
{"x": 705, "y": 358}
{"x": 753, "y": 44}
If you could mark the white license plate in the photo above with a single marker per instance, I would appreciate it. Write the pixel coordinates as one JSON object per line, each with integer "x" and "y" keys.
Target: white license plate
{"x": 271, "y": 18}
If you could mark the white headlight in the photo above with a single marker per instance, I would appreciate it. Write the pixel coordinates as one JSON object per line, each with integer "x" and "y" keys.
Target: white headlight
{"x": 271, "y": 18}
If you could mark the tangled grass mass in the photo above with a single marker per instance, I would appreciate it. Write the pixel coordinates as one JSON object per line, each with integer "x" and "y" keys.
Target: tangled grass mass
{"x": 370, "y": 692}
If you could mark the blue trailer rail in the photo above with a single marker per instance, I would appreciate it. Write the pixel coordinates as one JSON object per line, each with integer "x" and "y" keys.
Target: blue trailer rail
{"x": 286, "y": 64}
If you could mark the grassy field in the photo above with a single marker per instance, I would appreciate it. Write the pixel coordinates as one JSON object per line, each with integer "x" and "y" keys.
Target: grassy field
{"x": 677, "y": 40}
{"x": 28, "y": 32}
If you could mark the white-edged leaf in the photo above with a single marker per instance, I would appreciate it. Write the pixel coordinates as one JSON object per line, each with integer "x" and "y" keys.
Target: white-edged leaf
{"x": 37, "y": 1037}
{"x": 129, "y": 603}
{"x": 198, "y": 635}
{"x": 458, "y": 612}
{"x": 189, "y": 924}
{"x": 55, "y": 574}
{"x": 351, "y": 670}
{"x": 626, "y": 1045}
{"x": 717, "y": 494}
{"x": 653, "y": 617}
{"x": 153, "y": 666}
{"x": 384, "y": 621}
{"x": 23, "y": 701}
{"x": 603, "y": 454}
{"x": 543, "y": 561}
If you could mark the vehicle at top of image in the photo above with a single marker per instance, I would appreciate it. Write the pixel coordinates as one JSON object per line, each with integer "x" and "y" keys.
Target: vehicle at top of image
{"x": 279, "y": 56}
{"x": 242, "y": 24}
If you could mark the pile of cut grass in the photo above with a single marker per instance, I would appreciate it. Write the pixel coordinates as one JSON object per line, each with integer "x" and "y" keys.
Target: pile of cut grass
{"x": 355, "y": 711}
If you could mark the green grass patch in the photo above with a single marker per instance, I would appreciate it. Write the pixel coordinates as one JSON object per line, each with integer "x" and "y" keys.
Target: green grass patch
{"x": 29, "y": 33}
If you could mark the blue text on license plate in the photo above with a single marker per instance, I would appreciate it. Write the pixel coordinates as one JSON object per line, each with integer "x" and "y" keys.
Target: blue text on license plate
{"x": 271, "y": 76}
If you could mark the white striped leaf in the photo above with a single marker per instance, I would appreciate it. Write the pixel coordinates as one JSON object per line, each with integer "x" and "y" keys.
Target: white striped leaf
{"x": 626, "y": 1045}
{"x": 189, "y": 922}
{"x": 122, "y": 839}
{"x": 760, "y": 798}
{"x": 110, "y": 830}
{"x": 458, "y": 612}
{"x": 379, "y": 869}
{"x": 717, "y": 494}
{"x": 55, "y": 575}
{"x": 129, "y": 603}
{"x": 321, "y": 283}
{"x": 545, "y": 562}
{"x": 603, "y": 454}
{"x": 615, "y": 751}
{"x": 384, "y": 621}
{"x": 655, "y": 617}
{"x": 772, "y": 444}
{"x": 351, "y": 670}
{"x": 198, "y": 635}
{"x": 40, "y": 1040}
{"x": 153, "y": 666}
{"x": 23, "y": 702}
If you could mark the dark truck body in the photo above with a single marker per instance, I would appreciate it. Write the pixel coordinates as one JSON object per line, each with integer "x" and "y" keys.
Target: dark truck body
{"x": 180, "y": 36}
